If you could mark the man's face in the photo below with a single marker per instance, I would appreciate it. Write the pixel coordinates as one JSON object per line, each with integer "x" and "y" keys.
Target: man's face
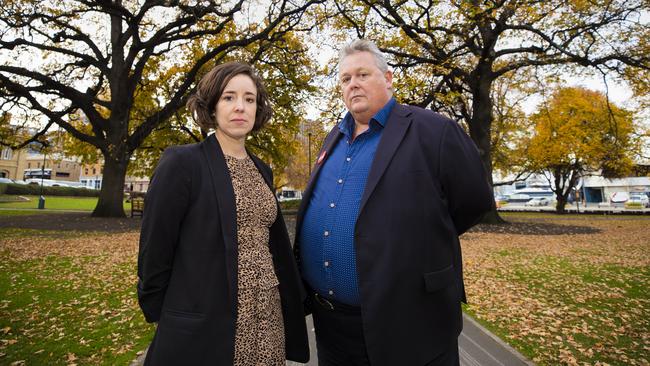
{"x": 366, "y": 89}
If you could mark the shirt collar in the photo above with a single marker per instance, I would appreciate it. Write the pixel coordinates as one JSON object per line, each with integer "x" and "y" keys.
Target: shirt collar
{"x": 381, "y": 117}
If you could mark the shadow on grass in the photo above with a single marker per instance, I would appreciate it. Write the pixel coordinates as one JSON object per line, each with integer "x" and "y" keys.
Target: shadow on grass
{"x": 71, "y": 221}
{"x": 534, "y": 228}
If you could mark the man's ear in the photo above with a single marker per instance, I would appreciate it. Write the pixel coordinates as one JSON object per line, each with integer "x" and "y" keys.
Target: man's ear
{"x": 388, "y": 75}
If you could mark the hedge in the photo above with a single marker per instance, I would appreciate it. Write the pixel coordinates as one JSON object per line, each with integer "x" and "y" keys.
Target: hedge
{"x": 35, "y": 189}
{"x": 290, "y": 205}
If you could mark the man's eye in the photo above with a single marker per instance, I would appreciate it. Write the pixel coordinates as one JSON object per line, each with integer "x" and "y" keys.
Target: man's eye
{"x": 345, "y": 80}
{"x": 363, "y": 75}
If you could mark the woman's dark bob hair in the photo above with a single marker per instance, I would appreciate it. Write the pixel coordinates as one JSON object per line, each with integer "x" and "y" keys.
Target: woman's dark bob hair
{"x": 203, "y": 103}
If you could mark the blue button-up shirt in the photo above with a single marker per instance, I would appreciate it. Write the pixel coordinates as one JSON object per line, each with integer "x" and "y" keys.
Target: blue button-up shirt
{"x": 328, "y": 256}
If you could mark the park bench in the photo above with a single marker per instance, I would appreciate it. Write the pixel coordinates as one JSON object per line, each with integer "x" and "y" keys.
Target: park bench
{"x": 137, "y": 206}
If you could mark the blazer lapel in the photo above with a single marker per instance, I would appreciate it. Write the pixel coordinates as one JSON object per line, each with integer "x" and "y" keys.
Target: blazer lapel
{"x": 396, "y": 126}
{"x": 223, "y": 190}
{"x": 331, "y": 140}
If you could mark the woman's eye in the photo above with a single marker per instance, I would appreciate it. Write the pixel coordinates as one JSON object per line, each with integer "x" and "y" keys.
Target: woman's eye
{"x": 250, "y": 100}
{"x": 227, "y": 97}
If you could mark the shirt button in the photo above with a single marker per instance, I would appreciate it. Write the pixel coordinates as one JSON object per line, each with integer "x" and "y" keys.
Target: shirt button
{"x": 340, "y": 181}
{"x": 327, "y": 264}
{"x": 326, "y": 233}
{"x": 331, "y": 292}
{"x": 348, "y": 159}
{"x": 332, "y": 205}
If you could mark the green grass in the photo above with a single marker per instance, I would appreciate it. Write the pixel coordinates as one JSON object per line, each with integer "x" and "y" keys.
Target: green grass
{"x": 552, "y": 215}
{"x": 605, "y": 295}
{"x": 21, "y": 212}
{"x": 59, "y": 310}
{"x": 58, "y": 203}
{"x": 10, "y": 232}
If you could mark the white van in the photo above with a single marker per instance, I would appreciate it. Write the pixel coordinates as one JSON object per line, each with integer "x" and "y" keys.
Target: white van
{"x": 54, "y": 183}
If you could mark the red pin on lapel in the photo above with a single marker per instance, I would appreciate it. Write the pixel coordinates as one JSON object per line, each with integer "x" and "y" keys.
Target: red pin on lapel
{"x": 321, "y": 157}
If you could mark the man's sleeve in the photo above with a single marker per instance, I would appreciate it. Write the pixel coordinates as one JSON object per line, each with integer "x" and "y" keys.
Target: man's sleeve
{"x": 165, "y": 205}
{"x": 463, "y": 178}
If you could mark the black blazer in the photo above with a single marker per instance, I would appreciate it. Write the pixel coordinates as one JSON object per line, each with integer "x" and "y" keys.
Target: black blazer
{"x": 187, "y": 263}
{"x": 426, "y": 186}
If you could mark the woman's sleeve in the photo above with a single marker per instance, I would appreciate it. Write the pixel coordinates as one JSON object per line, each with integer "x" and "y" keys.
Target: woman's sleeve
{"x": 166, "y": 202}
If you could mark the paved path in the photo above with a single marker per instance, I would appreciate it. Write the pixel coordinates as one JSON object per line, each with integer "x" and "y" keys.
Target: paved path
{"x": 477, "y": 347}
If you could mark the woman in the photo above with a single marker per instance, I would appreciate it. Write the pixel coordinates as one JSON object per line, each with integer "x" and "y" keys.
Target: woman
{"x": 215, "y": 265}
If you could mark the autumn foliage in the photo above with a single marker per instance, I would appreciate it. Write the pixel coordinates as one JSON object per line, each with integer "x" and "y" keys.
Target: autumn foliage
{"x": 579, "y": 132}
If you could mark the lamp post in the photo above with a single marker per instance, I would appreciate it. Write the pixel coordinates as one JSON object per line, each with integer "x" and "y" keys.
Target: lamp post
{"x": 309, "y": 152}
{"x": 41, "y": 199}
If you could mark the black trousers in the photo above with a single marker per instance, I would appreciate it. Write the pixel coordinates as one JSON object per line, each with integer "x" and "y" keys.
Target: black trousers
{"x": 340, "y": 340}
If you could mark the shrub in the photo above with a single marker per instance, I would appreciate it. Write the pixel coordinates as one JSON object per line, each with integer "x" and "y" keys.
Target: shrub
{"x": 3, "y": 188}
{"x": 635, "y": 205}
{"x": 290, "y": 205}
{"x": 35, "y": 190}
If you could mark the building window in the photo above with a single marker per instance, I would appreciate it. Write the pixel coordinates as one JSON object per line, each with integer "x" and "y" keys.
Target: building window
{"x": 6, "y": 153}
{"x": 86, "y": 171}
{"x": 29, "y": 165}
{"x": 62, "y": 174}
{"x": 94, "y": 171}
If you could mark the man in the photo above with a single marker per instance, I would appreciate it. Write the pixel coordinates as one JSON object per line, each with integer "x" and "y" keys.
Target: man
{"x": 377, "y": 231}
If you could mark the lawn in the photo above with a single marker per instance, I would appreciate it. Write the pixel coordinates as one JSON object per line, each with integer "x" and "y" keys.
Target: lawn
{"x": 560, "y": 289}
{"x": 68, "y": 298}
{"x": 59, "y": 203}
{"x": 566, "y": 290}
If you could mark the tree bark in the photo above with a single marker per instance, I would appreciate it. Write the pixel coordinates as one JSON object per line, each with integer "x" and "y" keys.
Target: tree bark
{"x": 111, "y": 196}
{"x": 560, "y": 206}
{"x": 480, "y": 127}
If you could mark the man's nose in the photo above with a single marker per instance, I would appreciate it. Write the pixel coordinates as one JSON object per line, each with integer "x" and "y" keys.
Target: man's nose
{"x": 352, "y": 85}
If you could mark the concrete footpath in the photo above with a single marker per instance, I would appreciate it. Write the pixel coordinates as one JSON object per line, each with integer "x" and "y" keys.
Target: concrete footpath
{"x": 477, "y": 347}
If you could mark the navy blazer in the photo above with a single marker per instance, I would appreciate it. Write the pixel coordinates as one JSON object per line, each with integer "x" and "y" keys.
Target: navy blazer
{"x": 187, "y": 263}
{"x": 426, "y": 186}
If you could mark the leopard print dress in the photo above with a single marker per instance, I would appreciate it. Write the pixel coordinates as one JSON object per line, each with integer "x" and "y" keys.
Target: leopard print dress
{"x": 259, "y": 337}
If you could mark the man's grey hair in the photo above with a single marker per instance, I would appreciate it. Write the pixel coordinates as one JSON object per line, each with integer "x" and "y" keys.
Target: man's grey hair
{"x": 364, "y": 45}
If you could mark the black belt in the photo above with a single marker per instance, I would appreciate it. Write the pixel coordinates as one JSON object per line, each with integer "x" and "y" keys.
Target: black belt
{"x": 333, "y": 305}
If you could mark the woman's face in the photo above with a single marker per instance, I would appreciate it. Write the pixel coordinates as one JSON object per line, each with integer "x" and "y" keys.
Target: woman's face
{"x": 236, "y": 108}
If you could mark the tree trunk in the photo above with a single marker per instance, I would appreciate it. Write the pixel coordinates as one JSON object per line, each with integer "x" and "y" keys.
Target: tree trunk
{"x": 480, "y": 127}
{"x": 560, "y": 204}
{"x": 111, "y": 196}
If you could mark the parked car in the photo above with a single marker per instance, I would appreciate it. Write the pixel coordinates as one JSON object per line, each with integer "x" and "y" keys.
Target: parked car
{"x": 6, "y": 180}
{"x": 639, "y": 198}
{"x": 49, "y": 182}
{"x": 619, "y": 197}
{"x": 518, "y": 198}
{"x": 289, "y": 195}
{"x": 539, "y": 201}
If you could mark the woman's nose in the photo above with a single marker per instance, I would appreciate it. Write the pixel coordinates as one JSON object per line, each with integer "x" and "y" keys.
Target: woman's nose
{"x": 239, "y": 105}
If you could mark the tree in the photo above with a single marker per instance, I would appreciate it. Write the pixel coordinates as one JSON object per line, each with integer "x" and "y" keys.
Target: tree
{"x": 300, "y": 163}
{"x": 578, "y": 132}
{"x": 450, "y": 53}
{"x": 99, "y": 57}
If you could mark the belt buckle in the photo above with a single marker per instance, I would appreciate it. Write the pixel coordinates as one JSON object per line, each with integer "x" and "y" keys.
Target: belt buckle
{"x": 324, "y": 302}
